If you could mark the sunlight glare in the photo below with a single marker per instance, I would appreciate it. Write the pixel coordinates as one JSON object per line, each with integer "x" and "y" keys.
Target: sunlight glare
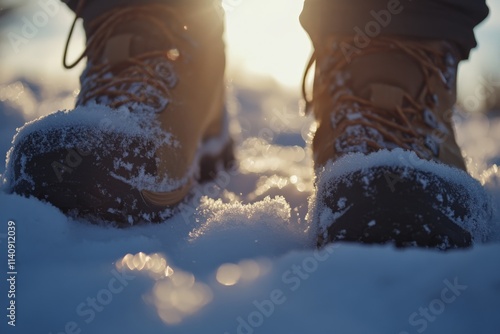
{"x": 491, "y": 173}
{"x": 177, "y": 298}
{"x": 250, "y": 270}
{"x": 228, "y": 274}
{"x": 267, "y": 38}
{"x": 176, "y": 294}
{"x": 155, "y": 265}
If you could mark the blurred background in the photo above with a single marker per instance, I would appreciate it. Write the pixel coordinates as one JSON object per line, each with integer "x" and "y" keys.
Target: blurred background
{"x": 267, "y": 51}
{"x": 264, "y": 39}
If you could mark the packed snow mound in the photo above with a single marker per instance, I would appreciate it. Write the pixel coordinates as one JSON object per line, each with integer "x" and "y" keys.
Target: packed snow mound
{"x": 268, "y": 223}
{"x": 406, "y": 164}
{"x": 98, "y": 117}
{"x": 98, "y": 131}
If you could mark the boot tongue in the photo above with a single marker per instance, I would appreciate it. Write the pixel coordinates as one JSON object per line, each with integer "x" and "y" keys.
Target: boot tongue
{"x": 118, "y": 49}
{"x": 131, "y": 40}
{"x": 384, "y": 78}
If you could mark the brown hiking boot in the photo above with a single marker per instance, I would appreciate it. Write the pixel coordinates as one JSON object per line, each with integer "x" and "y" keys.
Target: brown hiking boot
{"x": 392, "y": 104}
{"x": 149, "y": 122}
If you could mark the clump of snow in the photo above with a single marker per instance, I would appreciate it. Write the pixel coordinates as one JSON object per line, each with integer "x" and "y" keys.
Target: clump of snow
{"x": 268, "y": 222}
{"x": 478, "y": 220}
{"x": 101, "y": 131}
{"x": 98, "y": 117}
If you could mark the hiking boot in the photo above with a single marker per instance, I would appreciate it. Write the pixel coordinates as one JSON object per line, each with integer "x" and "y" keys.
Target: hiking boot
{"x": 388, "y": 165}
{"x": 149, "y": 120}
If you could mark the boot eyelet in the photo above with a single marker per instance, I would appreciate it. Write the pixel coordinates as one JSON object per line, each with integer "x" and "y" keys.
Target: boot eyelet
{"x": 433, "y": 99}
{"x": 432, "y": 145}
{"x": 429, "y": 118}
{"x": 450, "y": 60}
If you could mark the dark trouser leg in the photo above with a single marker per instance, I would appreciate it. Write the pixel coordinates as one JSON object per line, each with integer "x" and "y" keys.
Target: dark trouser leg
{"x": 452, "y": 20}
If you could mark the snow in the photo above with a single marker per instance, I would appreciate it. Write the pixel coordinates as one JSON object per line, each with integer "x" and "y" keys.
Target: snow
{"x": 64, "y": 265}
{"x": 96, "y": 126}
{"x": 479, "y": 203}
{"x": 240, "y": 256}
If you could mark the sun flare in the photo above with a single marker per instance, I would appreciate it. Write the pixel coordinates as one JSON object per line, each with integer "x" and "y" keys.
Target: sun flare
{"x": 265, "y": 37}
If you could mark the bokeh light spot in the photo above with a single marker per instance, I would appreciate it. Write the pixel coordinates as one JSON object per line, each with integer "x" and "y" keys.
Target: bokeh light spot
{"x": 228, "y": 274}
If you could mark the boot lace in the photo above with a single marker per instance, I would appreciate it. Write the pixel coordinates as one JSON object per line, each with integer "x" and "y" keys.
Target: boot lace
{"x": 405, "y": 126}
{"x": 145, "y": 79}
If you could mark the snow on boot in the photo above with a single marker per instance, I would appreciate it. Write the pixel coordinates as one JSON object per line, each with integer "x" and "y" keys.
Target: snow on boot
{"x": 149, "y": 120}
{"x": 388, "y": 166}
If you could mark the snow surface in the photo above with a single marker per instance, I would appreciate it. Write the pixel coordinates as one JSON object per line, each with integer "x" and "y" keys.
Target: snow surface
{"x": 240, "y": 257}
